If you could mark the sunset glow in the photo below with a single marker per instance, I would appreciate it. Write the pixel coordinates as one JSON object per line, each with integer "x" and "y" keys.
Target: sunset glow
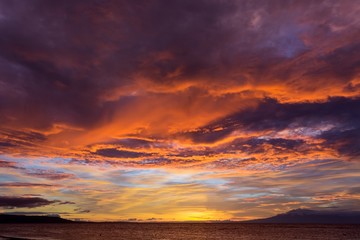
{"x": 179, "y": 110}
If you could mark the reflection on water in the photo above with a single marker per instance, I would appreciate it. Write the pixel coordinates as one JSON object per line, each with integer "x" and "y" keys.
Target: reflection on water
{"x": 169, "y": 231}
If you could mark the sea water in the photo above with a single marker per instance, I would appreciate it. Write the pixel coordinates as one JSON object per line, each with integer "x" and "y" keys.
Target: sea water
{"x": 170, "y": 231}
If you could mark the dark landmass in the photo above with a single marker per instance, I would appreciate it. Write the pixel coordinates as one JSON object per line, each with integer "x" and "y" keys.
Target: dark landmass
{"x": 312, "y": 217}
{"x": 7, "y": 218}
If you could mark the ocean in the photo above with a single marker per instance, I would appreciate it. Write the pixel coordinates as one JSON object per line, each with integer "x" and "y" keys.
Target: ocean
{"x": 170, "y": 231}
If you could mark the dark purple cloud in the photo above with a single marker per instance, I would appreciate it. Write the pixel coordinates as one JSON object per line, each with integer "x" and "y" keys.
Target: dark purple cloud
{"x": 8, "y": 164}
{"x": 273, "y": 115}
{"x": 115, "y": 153}
{"x": 58, "y": 60}
{"x": 133, "y": 70}
{"x": 15, "y": 139}
{"x": 341, "y": 113}
{"x": 346, "y": 141}
{"x": 10, "y": 202}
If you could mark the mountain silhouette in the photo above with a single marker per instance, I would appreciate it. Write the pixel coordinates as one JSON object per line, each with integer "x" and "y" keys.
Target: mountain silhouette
{"x": 313, "y": 216}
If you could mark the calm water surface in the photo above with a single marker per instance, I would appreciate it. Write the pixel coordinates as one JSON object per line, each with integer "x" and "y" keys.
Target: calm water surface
{"x": 170, "y": 231}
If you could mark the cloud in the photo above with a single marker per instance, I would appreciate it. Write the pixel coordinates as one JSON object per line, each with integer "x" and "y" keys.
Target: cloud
{"x": 227, "y": 87}
{"x": 10, "y": 202}
{"x": 8, "y": 164}
{"x": 49, "y": 174}
{"x": 79, "y": 210}
{"x": 34, "y": 172}
{"x": 14, "y": 140}
{"x": 335, "y": 121}
{"x": 134, "y": 143}
{"x": 114, "y": 153}
{"x": 52, "y": 214}
{"x": 347, "y": 142}
{"x": 270, "y": 114}
{"x": 25, "y": 185}
{"x": 195, "y": 57}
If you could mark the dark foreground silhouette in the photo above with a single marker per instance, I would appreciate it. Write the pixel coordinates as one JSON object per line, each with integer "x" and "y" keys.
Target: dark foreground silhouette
{"x": 6, "y": 218}
{"x": 312, "y": 216}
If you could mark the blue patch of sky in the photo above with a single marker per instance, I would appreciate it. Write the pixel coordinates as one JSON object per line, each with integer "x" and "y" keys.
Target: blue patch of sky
{"x": 7, "y": 178}
{"x": 286, "y": 41}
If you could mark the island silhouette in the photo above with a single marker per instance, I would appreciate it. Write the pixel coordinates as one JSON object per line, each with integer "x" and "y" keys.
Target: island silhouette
{"x": 296, "y": 216}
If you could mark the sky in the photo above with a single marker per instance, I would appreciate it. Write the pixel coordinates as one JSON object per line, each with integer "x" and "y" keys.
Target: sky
{"x": 179, "y": 110}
